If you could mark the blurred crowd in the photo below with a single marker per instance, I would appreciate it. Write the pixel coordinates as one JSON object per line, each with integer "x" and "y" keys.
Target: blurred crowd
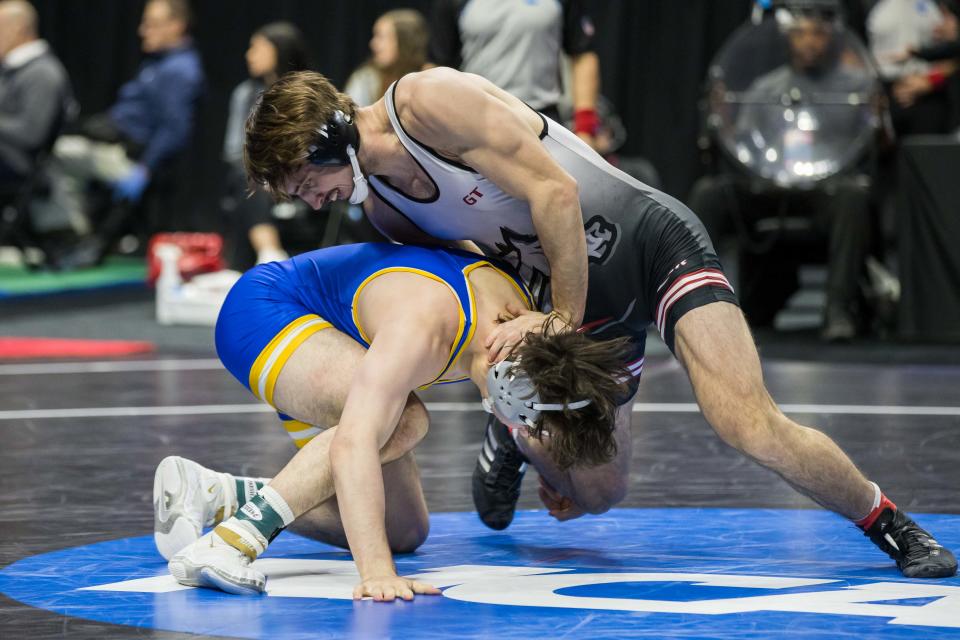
{"x": 768, "y": 117}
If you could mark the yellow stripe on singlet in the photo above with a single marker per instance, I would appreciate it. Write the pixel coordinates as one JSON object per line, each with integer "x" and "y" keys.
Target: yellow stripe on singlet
{"x": 524, "y": 295}
{"x": 462, "y": 321}
{"x": 266, "y": 368}
{"x": 300, "y": 432}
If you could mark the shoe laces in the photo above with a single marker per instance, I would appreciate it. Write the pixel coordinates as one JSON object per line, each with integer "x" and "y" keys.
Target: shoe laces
{"x": 904, "y": 540}
{"x": 917, "y": 543}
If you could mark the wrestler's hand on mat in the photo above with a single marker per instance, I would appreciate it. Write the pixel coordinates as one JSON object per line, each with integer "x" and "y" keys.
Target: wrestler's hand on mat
{"x": 515, "y": 324}
{"x": 389, "y": 588}
{"x": 560, "y": 507}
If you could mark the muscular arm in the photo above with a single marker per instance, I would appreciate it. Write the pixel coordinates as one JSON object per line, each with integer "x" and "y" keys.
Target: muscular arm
{"x": 467, "y": 118}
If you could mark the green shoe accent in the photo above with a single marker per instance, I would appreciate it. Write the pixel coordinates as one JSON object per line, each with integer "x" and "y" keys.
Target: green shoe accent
{"x": 258, "y": 513}
{"x": 246, "y": 489}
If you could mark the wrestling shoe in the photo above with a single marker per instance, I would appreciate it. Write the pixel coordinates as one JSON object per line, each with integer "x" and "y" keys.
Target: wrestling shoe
{"x": 917, "y": 554}
{"x": 212, "y": 563}
{"x": 497, "y": 476}
{"x": 186, "y": 498}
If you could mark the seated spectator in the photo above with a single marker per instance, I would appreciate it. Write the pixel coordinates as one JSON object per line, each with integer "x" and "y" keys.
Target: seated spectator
{"x": 787, "y": 134}
{"x": 398, "y": 47}
{"x": 35, "y": 94}
{"x": 275, "y": 49}
{"x": 151, "y": 121}
{"x": 920, "y": 102}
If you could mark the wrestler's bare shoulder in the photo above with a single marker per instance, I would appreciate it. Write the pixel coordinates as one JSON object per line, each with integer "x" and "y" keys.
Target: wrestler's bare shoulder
{"x": 442, "y": 96}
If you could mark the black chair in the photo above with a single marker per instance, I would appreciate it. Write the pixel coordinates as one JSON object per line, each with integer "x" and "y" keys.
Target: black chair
{"x": 16, "y": 221}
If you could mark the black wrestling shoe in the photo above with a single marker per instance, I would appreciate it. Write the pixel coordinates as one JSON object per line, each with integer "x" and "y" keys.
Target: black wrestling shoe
{"x": 917, "y": 554}
{"x": 497, "y": 476}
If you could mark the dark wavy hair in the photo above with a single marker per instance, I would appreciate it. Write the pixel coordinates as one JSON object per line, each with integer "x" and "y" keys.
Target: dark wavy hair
{"x": 567, "y": 367}
{"x": 293, "y": 54}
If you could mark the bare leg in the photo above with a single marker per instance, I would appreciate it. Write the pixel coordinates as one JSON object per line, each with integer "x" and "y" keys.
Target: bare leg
{"x": 406, "y": 511}
{"x": 714, "y": 344}
{"x": 311, "y": 388}
{"x": 592, "y": 489}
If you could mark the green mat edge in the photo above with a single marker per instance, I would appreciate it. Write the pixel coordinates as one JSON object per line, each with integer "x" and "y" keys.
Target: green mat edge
{"x": 18, "y": 282}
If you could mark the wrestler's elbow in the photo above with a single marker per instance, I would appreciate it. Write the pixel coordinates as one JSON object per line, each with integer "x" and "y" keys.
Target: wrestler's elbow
{"x": 555, "y": 197}
{"x": 347, "y": 444}
{"x": 566, "y": 193}
{"x": 340, "y": 450}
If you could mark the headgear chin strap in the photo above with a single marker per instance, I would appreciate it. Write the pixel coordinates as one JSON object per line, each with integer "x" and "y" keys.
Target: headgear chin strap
{"x": 360, "y": 187}
{"x": 511, "y": 392}
{"x": 336, "y": 145}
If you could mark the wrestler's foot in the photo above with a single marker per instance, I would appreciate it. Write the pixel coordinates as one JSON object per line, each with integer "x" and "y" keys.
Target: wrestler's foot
{"x": 186, "y": 498}
{"x": 497, "y": 476}
{"x": 212, "y": 563}
{"x": 917, "y": 554}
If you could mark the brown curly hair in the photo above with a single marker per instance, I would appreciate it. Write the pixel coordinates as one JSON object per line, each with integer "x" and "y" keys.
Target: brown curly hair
{"x": 283, "y": 124}
{"x": 567, "y": 367}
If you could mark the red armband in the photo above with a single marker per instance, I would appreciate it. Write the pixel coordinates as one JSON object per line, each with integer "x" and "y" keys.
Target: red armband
{"x": 937, "y": 78}
{"x": 586, "y": 121}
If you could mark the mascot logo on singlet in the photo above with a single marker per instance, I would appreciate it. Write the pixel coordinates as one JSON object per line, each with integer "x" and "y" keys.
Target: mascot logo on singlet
{"x": 515, "y": 247}
{"x": 602, "y": 238}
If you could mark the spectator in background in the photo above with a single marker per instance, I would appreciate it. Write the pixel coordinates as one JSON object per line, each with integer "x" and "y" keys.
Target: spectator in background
{"x": 151, "y": 121}
{"x": 838, "y": 205}
{"x": 35, "y": 94}
{"x": 398, "y": 47}
{"x": 275, "y": 49}
{"x": 920, "y": 103}
{"x": 946, "y": 50}
{"x": 516, "y": 44}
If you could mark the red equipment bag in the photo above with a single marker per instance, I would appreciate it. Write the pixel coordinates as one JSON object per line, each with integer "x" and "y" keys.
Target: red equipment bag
{"x": 202, "y": 253}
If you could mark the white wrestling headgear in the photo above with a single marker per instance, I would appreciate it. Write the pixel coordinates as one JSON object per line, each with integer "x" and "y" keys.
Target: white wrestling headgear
{"x": 511, "y": 392}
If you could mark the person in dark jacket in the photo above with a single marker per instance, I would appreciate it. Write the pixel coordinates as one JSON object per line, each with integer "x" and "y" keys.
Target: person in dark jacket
{"x": 35, "y": 93}
{"x": 152, "y": 119}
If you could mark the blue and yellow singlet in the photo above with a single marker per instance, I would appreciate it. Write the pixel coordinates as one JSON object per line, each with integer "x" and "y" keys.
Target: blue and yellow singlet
{"x": 275, "y": 307}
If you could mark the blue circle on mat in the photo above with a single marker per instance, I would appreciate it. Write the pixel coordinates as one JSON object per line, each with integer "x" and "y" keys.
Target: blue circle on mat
{"x": 629, "y": 573}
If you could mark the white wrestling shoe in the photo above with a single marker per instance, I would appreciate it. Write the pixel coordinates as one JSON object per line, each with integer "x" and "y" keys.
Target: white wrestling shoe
{"x": 212, "y": 563}
{"x": 186, "y": 498}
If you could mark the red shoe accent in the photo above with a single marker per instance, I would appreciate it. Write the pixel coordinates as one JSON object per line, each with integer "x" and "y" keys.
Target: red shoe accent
{"x": 867, "y": 522}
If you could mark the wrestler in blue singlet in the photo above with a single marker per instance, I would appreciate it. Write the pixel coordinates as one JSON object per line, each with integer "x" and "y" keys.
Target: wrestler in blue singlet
{"x": 276, "y": 306}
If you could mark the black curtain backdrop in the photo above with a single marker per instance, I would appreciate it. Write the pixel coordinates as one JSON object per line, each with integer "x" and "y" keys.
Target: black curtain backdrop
{"x": 653, "y": 55}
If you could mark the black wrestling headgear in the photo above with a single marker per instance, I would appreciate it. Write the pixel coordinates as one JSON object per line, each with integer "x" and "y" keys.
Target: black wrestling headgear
{"x": 330, "y": 148}
{"x": 336, "y": 145}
